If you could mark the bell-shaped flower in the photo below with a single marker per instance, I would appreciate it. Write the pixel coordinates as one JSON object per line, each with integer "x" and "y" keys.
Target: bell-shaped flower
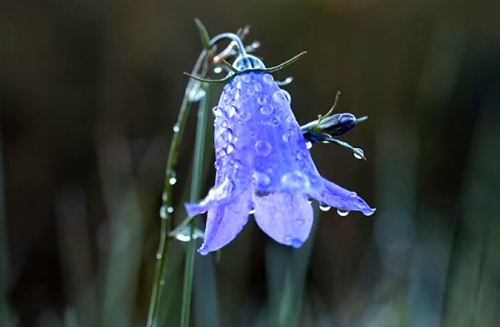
{"x": 263, "y": 165}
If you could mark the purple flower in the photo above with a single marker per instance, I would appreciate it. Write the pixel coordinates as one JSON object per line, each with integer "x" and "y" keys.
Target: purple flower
{"x": 263, "y": 164}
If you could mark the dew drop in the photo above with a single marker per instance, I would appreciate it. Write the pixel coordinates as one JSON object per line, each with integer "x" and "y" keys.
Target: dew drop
{"x": 173, "y": 178}
{"x": 196, "y": 94}
{"x": 231, "y": 111}
{"x": 246, "y": 78}
{"x": 263, "y": 148}
{"x": 261, "y": 179}
{"x": 342, "y": 212}
{"x": 250, "y": 91}
{"x": 279, "y": 97}
{"x": 296, "y": 243}
{"x": 267, "y": 110}
{"x": 287, "y": 95}
{"x": 217, "y": 111}
{"x": 183, "y": 236}
{"x": 245, "y": 116}
{"x": 230, "y": 148}
{"x": 176, "y": 128}
{"x": 165, "y": 210}
{"x": 223, "y": 123}
{"x": 237, "y": 95}
{"x": 164, "y": 196}
{"x": 309, "y": 145}
{"x": 261, "y": 100}
{"x": 358, "y": 153}
{"x": 295, "y": 180}
{"x": 252, "y": 211}
{"x": 257, "y": 87}
{"x": 286, "y": 136}
{"x": 158, "y": 255}
{"x": 218, "y": 70}
{"x": 275, "y": 121}
{"x": 221, "y": 153}
{"x": 324, "y": 207}
{"x": 268, "y": 79}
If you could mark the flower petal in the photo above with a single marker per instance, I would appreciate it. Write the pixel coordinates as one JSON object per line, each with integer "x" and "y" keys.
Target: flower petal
{"x": 230, "y": 181}
{"x": 285, "y": 217}
{"x": 266, "y": 134}
{"x": 338, "y": 197}
{"x": 225, "y": 222}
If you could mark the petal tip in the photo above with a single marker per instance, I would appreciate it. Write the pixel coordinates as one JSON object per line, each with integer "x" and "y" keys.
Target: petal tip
{"x": 194, "y": 209}
{"x": 203, "y": 250}
{"x": 369, "y": 211}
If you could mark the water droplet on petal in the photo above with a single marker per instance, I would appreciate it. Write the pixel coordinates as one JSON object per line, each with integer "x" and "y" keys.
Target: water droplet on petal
{"x": 342, "y": 212}
{"x": 245, "y": 78}
{"x": 359, "y": 153}
{"x": 250, "y": 91}
{"x": 267, "y": 109}
{"x": 309, "y": 145}
{"x": 237, "y": 95}
{"x": 286, "y": 136}
{"x": 221, "y": 153}
{"x": 296, "y": 243}
{"x": 231, "y": 111}
{"x": 252, "y": 211}
{"x": 263, "y": 148}
{"x": 295, "y": 180}
{"x": 275, "y": 121}
{"x": 230, "y": 148}
{"x": 176, "y": 128}
{"x": 287, "y": 95}
{"x": 261, "y": 178}
{"x": 217, "y": 111}
{"x": 257, "y": 87}
{"x": 245, "y": 115}
{"x": 324, "y": 206}
{"x": 268, "y": 79}
{"x": 261, "y": 100}
{"x": 223, "y": 123}
{"x": 279, "y": 97}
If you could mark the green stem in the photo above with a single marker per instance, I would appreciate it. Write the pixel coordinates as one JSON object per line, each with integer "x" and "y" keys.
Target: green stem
{"x": 201, "y": 129}
{"x": 166, "y": 221}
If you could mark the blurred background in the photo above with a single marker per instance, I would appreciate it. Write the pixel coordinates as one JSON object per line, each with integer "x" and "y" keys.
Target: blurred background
{"x": 90, "y": 90}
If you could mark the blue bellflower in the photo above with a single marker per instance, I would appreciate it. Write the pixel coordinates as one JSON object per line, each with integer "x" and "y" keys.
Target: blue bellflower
{"x": 263, "y": 165}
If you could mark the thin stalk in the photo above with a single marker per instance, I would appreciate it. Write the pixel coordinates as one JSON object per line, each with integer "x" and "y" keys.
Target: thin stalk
{"x": 166, "y": 221}
{"x": 199, "y": 148}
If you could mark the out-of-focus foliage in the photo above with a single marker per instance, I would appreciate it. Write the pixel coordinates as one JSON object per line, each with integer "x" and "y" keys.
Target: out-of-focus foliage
{"x": 89, "y": 91}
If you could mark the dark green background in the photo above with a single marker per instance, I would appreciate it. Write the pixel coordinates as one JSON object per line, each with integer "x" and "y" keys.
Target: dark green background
{"x": 89, "y": 92}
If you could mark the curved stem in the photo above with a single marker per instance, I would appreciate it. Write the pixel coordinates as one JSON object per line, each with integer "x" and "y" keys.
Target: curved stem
{"x": 234, "y": 38}
{"x": 201, "y": 130}
{"x": 166, "y": 221}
